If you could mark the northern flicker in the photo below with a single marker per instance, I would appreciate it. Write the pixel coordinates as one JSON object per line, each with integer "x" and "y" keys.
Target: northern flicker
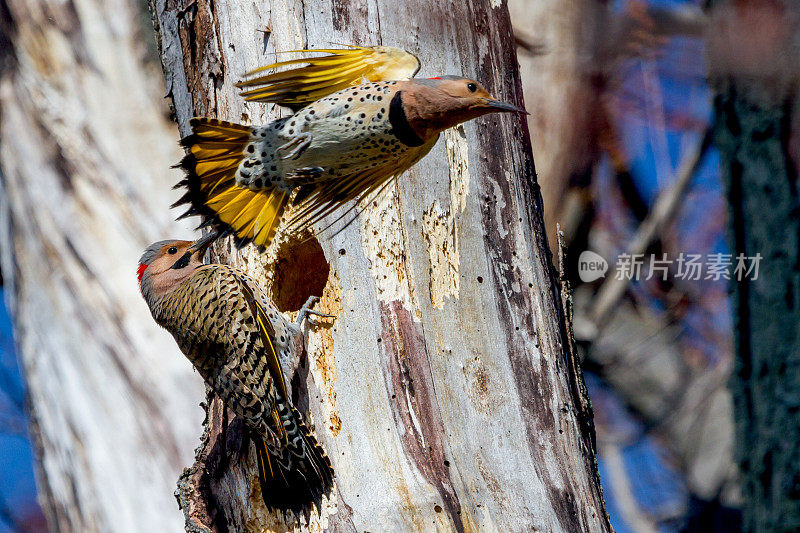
{"x": 347, "y": 144}
{"x": 236, "y": 339}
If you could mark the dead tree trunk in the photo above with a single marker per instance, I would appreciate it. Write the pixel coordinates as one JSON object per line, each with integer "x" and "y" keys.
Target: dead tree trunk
{"x": 85, "y": 146}
{"x": 443, "y": 390}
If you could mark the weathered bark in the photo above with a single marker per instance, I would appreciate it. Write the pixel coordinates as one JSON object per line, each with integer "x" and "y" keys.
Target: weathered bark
{"x": 85, "y": 146}
{"x": 442, "y": 390}
{"x": 756, "y": 82}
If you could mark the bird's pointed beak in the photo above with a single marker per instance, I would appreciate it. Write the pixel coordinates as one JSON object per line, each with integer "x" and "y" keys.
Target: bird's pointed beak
{"x": 503, "y": 106}
{"x": 201, "y": 245}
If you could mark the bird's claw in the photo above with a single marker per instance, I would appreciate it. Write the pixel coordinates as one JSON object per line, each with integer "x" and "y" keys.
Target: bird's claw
{"x": 306, "y": 310}
{"x": 295, "y": 147}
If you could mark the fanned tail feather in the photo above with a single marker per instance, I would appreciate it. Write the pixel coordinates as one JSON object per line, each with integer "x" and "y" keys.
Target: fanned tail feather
{"x": 297, "y": 475}
{"x": 215, "y": 150}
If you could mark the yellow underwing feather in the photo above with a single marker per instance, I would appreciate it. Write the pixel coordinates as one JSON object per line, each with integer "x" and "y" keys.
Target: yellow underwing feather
{"x": 220, "y": 180}
{"x": 252, "y": 201}
{"x": 231, "y": 203}
{"x": 327, "y": 74}
{"x": 269, "y": 218}
{"x": 215, "y": 151}
{"x": 212, "y": 127}
{"x": 263, "y": 213}
{"x": 317, "y": 72}
{"x": 207, "y": 166}
{"x": 326, "y": 199}
{"x": 286, "y": 81}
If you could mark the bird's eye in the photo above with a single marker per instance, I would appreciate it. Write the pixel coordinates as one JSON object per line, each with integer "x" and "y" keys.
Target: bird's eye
{"x": 472, "y": 87}
{"x": 172, "y": 250}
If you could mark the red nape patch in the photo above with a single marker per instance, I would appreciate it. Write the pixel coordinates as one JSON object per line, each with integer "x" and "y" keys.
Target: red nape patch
{"x": 434, "y": 78}
{"x": 140, "y": 272}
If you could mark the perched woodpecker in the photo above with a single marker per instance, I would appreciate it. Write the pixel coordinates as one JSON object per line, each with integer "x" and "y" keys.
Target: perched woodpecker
{"x": 343, "y": 146}
{"x": 232, "y": 334}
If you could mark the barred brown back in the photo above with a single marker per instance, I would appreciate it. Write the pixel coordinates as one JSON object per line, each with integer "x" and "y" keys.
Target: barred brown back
{"x": 228, "y": 330}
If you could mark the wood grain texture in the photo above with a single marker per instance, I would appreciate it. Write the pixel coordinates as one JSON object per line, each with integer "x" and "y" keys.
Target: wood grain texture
{"x": 85, "y": 146}
{"x": 442, "y": 391}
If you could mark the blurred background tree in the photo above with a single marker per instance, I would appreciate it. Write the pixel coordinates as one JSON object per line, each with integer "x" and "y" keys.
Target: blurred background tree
{"x": 756, "y": 82}
{"x": 86, "y": 145}
{"x": 657, "y": 353}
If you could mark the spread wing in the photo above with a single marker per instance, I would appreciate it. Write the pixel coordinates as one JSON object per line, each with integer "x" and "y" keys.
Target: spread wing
{"x": 329, "y": 196}
{"x": 322, "y": 198}
{"x": 341, "y": 68}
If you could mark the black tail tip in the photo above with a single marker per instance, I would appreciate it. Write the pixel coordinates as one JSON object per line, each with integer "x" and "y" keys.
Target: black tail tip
{"x": 298, "y": 488}
{"x": 300, "y": 501}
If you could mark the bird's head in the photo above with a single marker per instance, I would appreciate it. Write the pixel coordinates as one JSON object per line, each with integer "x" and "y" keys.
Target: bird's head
{"x": 166, "y": 264}
{"x": 434, "y": 104}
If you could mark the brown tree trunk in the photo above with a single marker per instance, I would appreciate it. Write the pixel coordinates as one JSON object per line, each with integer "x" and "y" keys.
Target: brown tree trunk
{"x": 85, "y": 146}
{"x": 443, "y": 390}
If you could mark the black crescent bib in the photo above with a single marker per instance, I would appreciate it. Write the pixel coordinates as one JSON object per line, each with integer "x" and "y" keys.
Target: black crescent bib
{"x": 400, "y": 126}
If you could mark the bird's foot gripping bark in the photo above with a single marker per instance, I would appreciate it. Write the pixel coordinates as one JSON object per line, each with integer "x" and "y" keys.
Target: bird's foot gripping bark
{"x": 306, "y": 310}
{"x": 295, "y": 148}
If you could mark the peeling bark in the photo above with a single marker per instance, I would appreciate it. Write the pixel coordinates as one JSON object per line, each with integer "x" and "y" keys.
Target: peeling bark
{"x": 442, "y": 391}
